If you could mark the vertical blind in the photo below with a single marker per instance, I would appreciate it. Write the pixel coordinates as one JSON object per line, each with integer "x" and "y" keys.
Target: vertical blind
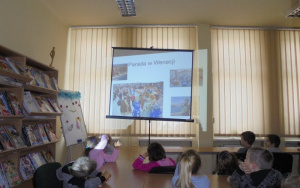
{"x": 255, "y": 81}
{"x": 89, "y": 72}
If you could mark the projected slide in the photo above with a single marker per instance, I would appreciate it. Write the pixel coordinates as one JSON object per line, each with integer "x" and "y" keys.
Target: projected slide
{"x": 151, "y": 83}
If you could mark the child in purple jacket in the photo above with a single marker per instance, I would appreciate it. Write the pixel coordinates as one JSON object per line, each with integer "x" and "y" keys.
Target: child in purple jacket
{"x": 95, "y": 150}
{"x": 157, "y": 157}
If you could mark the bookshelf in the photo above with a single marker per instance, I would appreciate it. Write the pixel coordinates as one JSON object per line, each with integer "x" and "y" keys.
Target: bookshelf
{"x": 31, "y": 118}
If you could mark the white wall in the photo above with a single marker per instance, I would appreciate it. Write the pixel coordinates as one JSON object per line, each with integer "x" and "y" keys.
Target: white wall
{"x": 28, "y": 28}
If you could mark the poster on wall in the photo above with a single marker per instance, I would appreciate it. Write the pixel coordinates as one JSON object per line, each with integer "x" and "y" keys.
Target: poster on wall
{"x": 73, "y": 126}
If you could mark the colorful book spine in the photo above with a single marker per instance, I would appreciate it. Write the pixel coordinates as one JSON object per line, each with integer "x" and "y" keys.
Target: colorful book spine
{"x": 11, "y": 173}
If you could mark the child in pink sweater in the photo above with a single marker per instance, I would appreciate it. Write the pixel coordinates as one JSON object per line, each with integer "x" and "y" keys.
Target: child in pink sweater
{"x": 95, "y": 150}
{"x": 157, "y": 157}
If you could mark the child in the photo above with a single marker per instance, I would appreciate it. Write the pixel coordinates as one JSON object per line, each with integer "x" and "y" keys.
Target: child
{"x": 95, "y": 150}
{"x": 272, "y": 143}
{"x": 247, "y": 139}
{"x": 157, "y": 157}
{"x": 256, "y": 171}
{"x": 227, "y": 163}
{"x": 82, "y": 173}
{"x": 187, "y": 171}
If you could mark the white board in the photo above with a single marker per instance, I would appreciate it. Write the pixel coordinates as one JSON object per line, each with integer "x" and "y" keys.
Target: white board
{"x": 73, "y": 126}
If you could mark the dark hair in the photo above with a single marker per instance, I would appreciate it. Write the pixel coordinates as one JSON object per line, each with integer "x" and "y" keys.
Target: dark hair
{"x": 227, "y": 163}
{"x": 91, "y": 142}
{"x": 156, "y": 152}
{"x": 249, "y": 137}
{"x": 274, "y": 139}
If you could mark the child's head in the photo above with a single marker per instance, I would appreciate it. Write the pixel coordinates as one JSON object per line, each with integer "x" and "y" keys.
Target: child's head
{"x": 258, "y": 159}
{"x": 156, "y": 152}
{"x": 190, "y": 164}
{"x": 247, "y": 138}
{"x": 91, "y": 142}
{"x": 82, "y": 167}
{"x": 292, "y": 181}
{"x": 272, "y": 140}
{"x": 227, "y": 163}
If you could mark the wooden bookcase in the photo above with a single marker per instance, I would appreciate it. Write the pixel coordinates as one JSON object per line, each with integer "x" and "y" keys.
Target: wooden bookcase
{"x": 34, "y": 118}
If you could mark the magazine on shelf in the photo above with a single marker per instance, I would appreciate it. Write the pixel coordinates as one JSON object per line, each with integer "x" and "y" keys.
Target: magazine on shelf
{"x": 43, "y": 104}
{"x": 11, "y": 172}
{"x": 36, "y": 132}
{"x": 18, "y": 66}
{"x": 38, "y": 78}
{"x": 30, "y": 74}
{"x": 14, "y": 136}
{"x": 54, "y": 105}
{"x": 29, "y": 136}
{"x": 50, "y": 133}
{"x": 48, "y": 156}
{"x": 4, "y": 64}
{"x": 5, "y": 140}
{"x": 54, "y": 83}
{"x": 26, "y": 168}
{"x": 29, "y": 103}
{"x": 43, "y": 133}
{"x": 6, "y": 103}
{"x": 12, "y": 66}
{"x": 46, "y": 80}
{"x": 4, "y": 111}
{"x": 36, "y": 159}
{"x": 12, "y": 99}
{"x": 3, "y": 180}
{"x": 8, "y": 80}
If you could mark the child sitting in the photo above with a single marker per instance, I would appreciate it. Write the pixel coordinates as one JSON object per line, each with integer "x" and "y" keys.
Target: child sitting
{"x": 247, "y": 139}
{"x": 95, "y": 150}
{"x": 157, "y": 157}
{"x": 272, "y": 143}
{"x": 82, "y": 173}
{"x": 187, "y": 171}
{"x": 256, "y": 171}
{"x": 227, "y": 163}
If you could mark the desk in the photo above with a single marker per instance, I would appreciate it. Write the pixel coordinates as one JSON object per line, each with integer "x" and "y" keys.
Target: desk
{"x": 123, "y": 174}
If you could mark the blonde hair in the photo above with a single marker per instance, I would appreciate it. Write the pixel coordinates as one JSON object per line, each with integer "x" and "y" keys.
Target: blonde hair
{"x": 190, "y": 163}
{"x": 83, "y": 167}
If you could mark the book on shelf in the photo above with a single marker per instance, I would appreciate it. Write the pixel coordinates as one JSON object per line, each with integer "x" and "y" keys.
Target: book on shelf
{"x": 8, "y": 80}
{"x": 14, "y": 136}
{"x": 50, "y": 133}
{"x": 54, "y": 83}
{"x": 4, "y": 65}
{"x": 3, "y": 180}
{"x": 30, "y": 104}
{"x": 5, "y": 140}
{"x": 43, "y": 104}
{"x": 26, "y": 168}
{"x": 29, "y": 136}
{"x": 11, "y": 99}
{"x": 48, "y": 156}
{"x": 43, "y": 133}
{"x": 54, "y": 105}
{"x": 11, "y": 173}
{"x": 30, "y": 74}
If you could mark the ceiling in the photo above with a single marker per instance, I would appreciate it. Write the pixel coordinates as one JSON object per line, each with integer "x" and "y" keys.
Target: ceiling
{"x": 253, "y": 13}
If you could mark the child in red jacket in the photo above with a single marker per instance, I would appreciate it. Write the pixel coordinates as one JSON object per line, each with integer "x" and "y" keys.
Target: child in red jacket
{"x": 157, "y": 157}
